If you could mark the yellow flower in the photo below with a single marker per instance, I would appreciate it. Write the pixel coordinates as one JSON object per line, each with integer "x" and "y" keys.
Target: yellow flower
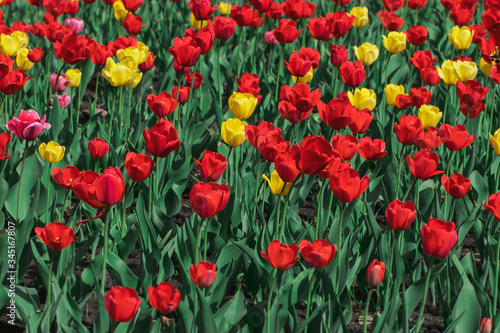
{"x": 367, "y": 53}
{"x": 75, "y": 76}
{"x": 304, "y": 79}
{"x": 197, "y": 24}
{"x": 360, "y": 16}
{"x": 22, "y": 60}
{"x": 448, "y": 72}
{"x": 52, "y": 152}
{"x": 223, "y": 8}
{"x": 11, "y": 44}
{"x": 242, "y": 104}
{"x": 137, "y": 79}
{"x": 395, "y": 42}
{"x": 391, "y": 92}
{"x": 233, "y": 132}
{"x": 363, "y": 99}
{"x": 461, "y": 38}
{"x": 466, "y": 70}
{"x": 276, "y": 184}
{"x": 122, "y": 73}
{"x": 485, "y": 67}
{"x": 495, "y": 141}
{"x": 120, "y": 11}
{"x": 139, "y": 53}
{"x": 429, "y": 115}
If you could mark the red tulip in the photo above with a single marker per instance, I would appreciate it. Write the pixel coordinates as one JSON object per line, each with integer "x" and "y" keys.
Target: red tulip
{"x": 315, "y": 154}
{"x": 13, "y": 81}
{"x": 161, "y": 105}
{"x": 272, "y": 144}
{"x": 132, "y": 5}
{"x": 73, "y": 49}
{"x": 138, "y": 166}
{"x": 400, "y": 215}
{"x": 122, "y": 303}
{"x": 375, "y": 273}
{"x": 27, "y": 125}
{"x": 335, "y": 165}
{"x": 337, "y": 114}
{"x": 312, "y": 55}
{"x": 253, "y": 132}
{"x": 286, "y": 32}
{"x": 56, "y": 235}
{"x": 280, "y": 255}
{"x": 408, "y": 130}
{"x": 4, "y": 140}
{"x": 100, "y": 191}
{"x": 35, "y": 55}
{"x": 455, "y": 138}
{"x": 340, "y": 23}
{"x": 479, "y": 33}
{"x": 342, "y": 2}
{"x": 297, "y": 9}
{"x": 391, "y": 21}
{"x": 461, "y": 15}
{"x": 122, "y": 43}
{"x": 133, "y": 24}
{"x": 420, "y": 96}
{"x": 101, "y": 54}
{"x": 486, "y": 326}
{"x": 202, "y": 9}
{"x": 422, "y": 59}
{"x": 346, "y": 146}
{"x": 297, "y": 102}
{"x": 430, "y": 139}
{"x": 203, "y": 274}
{"x": 319, "y": 254}
{"x": 338, "y": 55}
{"x": 430, "y": 76}
{"x": 438, "y": 238}
{"x": 275, "y": 11}
{"x": 249, "y": 83}
{"x": 243, "y": 15}
{"x": 319, "y": 28}
{"x": 493, "y": 205}
{"x": 457, "y": 185}
{"x": 204, "y": 37}
{"x": 65, "y": 176}
{"x": 424, "y": 164}
{"x": 361, "y": 121}
{"x": 416, "y": 4}
{"x": 353, "y": 74}
{"x": 262, "y": 5}
{"x": 371, "y": 150}
{"x": 149, "y": 63}
{"x": 403, "y": 102}
{"x": 416, "y": 35}
{"x": 164, "y": 298}
{"x": 347, "y": 186}
{"x": 183, "y": 93}
{"x": 185, "y": 51}
{"x": 212, "y": 165}
{"x": 161, "y": 139}
{"x": 393, "y": 5}
{"x": 208, "y": 199}
{"x": 286, "y": 164}
{"x": 471, "y": 95}
{"x": 224, "y": 27}
{"x": 297, "y": 66}
{"x": 97, "y": 148}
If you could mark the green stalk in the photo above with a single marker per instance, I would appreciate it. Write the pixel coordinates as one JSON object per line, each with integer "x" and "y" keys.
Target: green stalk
{"x": 191, "y": 93}
{"x": 367, "y": 305}
{"x": 49, "y": 286}
{"x": 105, "y": 253}
{"x": 309, "y": 294}
{"x": 389, "y": 275}
{"x": 127, "y": 128}
{"x": 96, "y": 92}
{"x": 198, "y": 236}
{"x": 257, "y": 183}
{"x": 120, "y": 109}
{"x": 48, "y": 195}
{"x": 399, "y": 169}
{"x": 495, "y": 289}
{"x": 278, "y": 212}
{"x": 219, "y": 84}
{"x": 205, "y": 244}
{"x": 420, "y": 320}
{"x": 342, "y": 207}
{"x": 269, "y": 301}
{"x": 318, "y": 208}
{"x": 279, "y": 72}
{"x": 238, "y": 57}
{"x": 124, "y": 218}
{"x": 21, "y": 178}
{"x": 78, "y": 101}
{"x": 61, "y": 217}
{"x": 227, "y": 159}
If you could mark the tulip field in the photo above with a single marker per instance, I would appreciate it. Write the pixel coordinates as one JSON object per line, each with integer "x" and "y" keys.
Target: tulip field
{"x": 257, "y": 166}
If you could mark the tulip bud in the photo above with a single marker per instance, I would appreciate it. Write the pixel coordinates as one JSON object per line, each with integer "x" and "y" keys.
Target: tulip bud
{"x": 212, "y": 165}
{"x": 281, "y": 256}
{"x": 375, "y": 273}
{"x": 461, "y": 37}
{"x": 56, "y": 235}
{"x": 319, "y": 254}
{"x": 97, "y": 148}
{"x": 233, "y": 132}
{"x": 391, "y": 92}
{"x": 429, "y": 115}
{"x": 448, "y": 72}
{"x": 73, "y": 76}
{"x": 363, "y": 99}
{"x": 164, "y": 298}
{"x": 438, "y": 238}
{"x": 495, "y": 141}
{"x": 360, "y": 16}
{"x": 51, "y": 152}
{"x": 242, "y": 105}
{"x": 395, "y": 42}
{"x": 223, "y": 8}
{"x": 367, "y": 53}
{"x": 276, "y": 184}
{"x": 138, "y": 166}
{"x": 203, "y": 274}
{"x": 400, "y": 215}
{"x": 208, "y": 199}
{"x": 486, "y": 326}
{"x": 22, "y": 60}
{"x": 122, "y": 303}
{"x": 74, "y": 24}
{"x": 457, "y": 185}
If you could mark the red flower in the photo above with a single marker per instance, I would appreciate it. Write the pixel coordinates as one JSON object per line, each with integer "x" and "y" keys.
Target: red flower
{"x": 342, "y": 2}
{"x": 133, "y": 24}
{"x": 430, "y": 139}
{"x": 271, "y": 144}
{"x": 403, "y": 102}
{"x": 161, "y": 105}
{"x": 149, "y": 63}
{"x": 204, "y": 38}
{"x": 375, "y": 273}
{"x": 101, "y": 54}
{"x": 493, "y": 205}
{"x": 486, "y": 324}
{"x": 422, "y": 59}
{"x": 315, "y": 154}
{"x": 347, "y": 186}
{"x": 280, "y": 255}
{"x": 455, "y": 138}
{"x": 297, "y": 9}
{"x": 97, "y": 148}
{"x": 122, "y": 303}
{"x": 408, "y": 130}
{"x": 346, "y": 146}
{"x": 310, "y": 54}
{"x": 56, "y": 235}
{"x": 457, "y": 185}
{"x": 438, "y": 237}
{"x": 212, "y": 165}
{"x": 430, "y": 76}
{"x": 6, "y": 65}
{"x": 262, "y": 5}
{"x": 340, "y": 23}
{"x": 416, "y": 4}
{"x": 471, "y": 96}
{"x": 183, "y": 94}
{"x": 132, "y": 5}
{"x": 416, "y": 35}
{"x": 352, "y": 74}
{"x": 361, "y": 121}
{"x": 202, "y": 9}
{"x": 335, "y": 165}
{"x": 243, "y": 15}
{"x": 100, "y": 191}
{"x": 337, "y": 113}
{"x": 208, "y": 199}
{"x": 13, "y": 81}
{"x": 53, "y": 31}
{"x": 319, "y": 28}
{"x": 73, "y": 49}
{"x": 253, "y": 132}
{"x": 122, "y": 43}
{"x": 371, "y": 150}
{"x": 161, "y": 139}
{"x": 224, "y": 27}
{"x": 461, "y": 14}
{"x": 286, "y": 164}
{"x": 27, "y": 125}
{"x": 164, "y": 298}
{"x": 35, "y": 55}
{"x": 65, "y": 176}
{"x": 301, "y": 101}
{"x": 286, "y": 32}
{"x": 297, "y": 66}
{"x": 319, "y": 254}
{"x": 391, "y": 21}
{"x": 420, "y": 96}
{"x": 479, "y": 33}
{"x": 185, "y": 51}
{"x": 393, "y": 5}
{"x": 4, "y": 140}
{"x": 275, "y": 12}
{"x": 203, "y": 274}
{"x": 138, "y": 166}
{"x": 249, "y": 83}
{"x": 424, "y": 164}
{"x": 338, "y": 55}
{"x": 400, "y": 215}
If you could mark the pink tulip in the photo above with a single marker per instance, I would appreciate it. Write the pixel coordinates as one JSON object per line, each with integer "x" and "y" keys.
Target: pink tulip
{"x": 27, "y": 125}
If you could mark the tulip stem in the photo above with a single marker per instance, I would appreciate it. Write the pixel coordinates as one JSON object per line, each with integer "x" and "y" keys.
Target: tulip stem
{"x": 124, "y": 217}
{"x": 127, "y": 128}
{"x": 389, "y": 276}
{"x": 227, "y": 159}
{"x": 420, "y": 320}
{"x": 96, "y": 93}
{"x": 367, "y": 305}
{"x": 495, "y": 289}
{"x": 219, "y": 84}
{"x": 238, "y": 57}
{"x": 49, "y": 285}
{"x": 21, "y": 178}
{"x": 399, "y": 169}
{"x": 78, "y": 101}
{"x": 61, "y": 217}
{"x": 198, "y": 65}
{"x": 309, "y": 294}
{"x": 279, "y": 72}
{"x": 48, "y": 195}
{"x": 341, "y": 218}
{"x": 205, "y": 244}
{"x": 198, "y": 236}
{"x": 105, "y": 253}
{"x": 269, "y": 301}
{"x": 257, "y": 183}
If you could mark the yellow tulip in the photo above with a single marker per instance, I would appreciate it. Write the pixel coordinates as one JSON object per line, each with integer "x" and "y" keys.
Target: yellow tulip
{"x": 391, "y": 92}
{"x": 461, "y": 38}
{"x": 363, "y": 99}
{"x": 485, "y": 67}
{"x": 242, "y": 105}
{"x": 360, "y": 16}
{"x": 137, "y": 79}
{"x": 197, "y": 24}
{"x": 11, "y": 44}
{"x": 276, "y": 184}
{"x": 139, "y": 53}
{"x": 495, "y": 141}
{"x": 122, "y": 73}
{"x": 74, "y": 76}
{"x": 466, "y": 70}
{"x": 448, "y": 72}
{"x": 367, "y": 53}
{"x": 233, "y": 132}
{"x": 304, "y": 79}
{"x": 52, "y": 152}
{"x": 223, "y": 8}
{"x": 22, "y": 60}
{"x": 395, "y": 42}
{"x": 120, "y": 11}
{"x": 429, "y": 115}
